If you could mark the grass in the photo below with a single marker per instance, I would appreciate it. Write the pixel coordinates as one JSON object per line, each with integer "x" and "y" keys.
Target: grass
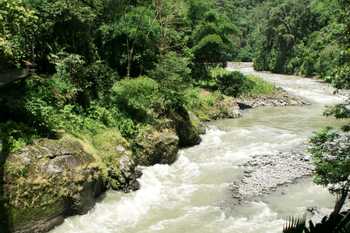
{"x": 259, "y": 87}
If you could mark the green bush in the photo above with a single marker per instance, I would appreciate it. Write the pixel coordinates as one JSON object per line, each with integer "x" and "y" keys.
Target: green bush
{"x": 14, "y": 136}
{"x": 138, "y": 97}
{"x": 230, "y": 83}
{"x": 341, "y": 78}
{"x": 257, "y": 87}
{"x": 112, "y": 117}
{"x": 173, "y": 76}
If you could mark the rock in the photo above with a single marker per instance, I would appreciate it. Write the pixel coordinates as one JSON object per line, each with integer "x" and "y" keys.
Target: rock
{"x": 47, "y": 181}
{"x": 197, "y": 123}
{"x": 188, "y": 130}
{"x": 116, "y": 155}
{"x": 226, "y": 108}
{"x": 156, "y": 147}
{"x": 130, "y": 174}
{"x": 281, "y": 98}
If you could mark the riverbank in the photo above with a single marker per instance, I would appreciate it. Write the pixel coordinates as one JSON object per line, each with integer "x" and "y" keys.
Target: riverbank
{"x": 193, "y": 194}
{"x": 55, "y": 178}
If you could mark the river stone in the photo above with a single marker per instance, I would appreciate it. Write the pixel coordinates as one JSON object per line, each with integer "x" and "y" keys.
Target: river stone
{"x": 187, "y": 130}
{"x": 129, "y": 174}
{"x": 225, "y": 108}
{"x": 156, "y": 147}
{"x": 47, "y": 181}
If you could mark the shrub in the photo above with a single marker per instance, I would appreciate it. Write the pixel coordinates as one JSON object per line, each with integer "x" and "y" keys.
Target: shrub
{"x": 137, "y": 97}
{"x": 230, "y": 83}
{"x": 341, "y": 79}
{"x": 112, "y": 117}
{"x": 14, "y": 136}
{"x": 330, "y": 150}
{"x": 173, "y": 75}
{"x": 258, "y": 87}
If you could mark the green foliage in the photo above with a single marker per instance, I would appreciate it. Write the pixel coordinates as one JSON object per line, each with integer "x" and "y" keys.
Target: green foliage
{"x": 303, "y": 37}
{"x": 236, "y": 84}
{"x": 339, "y": 223}
{"x": 285, "y": 26}
{"x": 230, "y": 83}
{"x": 202, "y": 103}
{"x": 210, "y": 49}
{"x": 17, "y": 27}
{"x": 131, "y": 41}
{"x": 257, "y": 87}
{"x": 137, "y": 97}
{"x": 339, "y": 111}
{"x": 14, "y": 136}
{"x": 173, "y": 76}
{"x": 341, "y": 78}
{"x": 331, "y": 155}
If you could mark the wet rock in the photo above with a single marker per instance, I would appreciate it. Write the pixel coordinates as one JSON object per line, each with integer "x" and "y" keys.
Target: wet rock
{"x": 226, "y": 108}
{"x": 129, "y": 174}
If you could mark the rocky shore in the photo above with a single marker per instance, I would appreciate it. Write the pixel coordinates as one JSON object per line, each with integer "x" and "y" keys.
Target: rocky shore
{"x": 55, "y": 178}
{"x": 281, "y": 98}
{"x": 265, "y": 173}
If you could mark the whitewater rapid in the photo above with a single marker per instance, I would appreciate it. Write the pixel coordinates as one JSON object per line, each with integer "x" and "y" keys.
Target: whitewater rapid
{"x": 193, "y": 195}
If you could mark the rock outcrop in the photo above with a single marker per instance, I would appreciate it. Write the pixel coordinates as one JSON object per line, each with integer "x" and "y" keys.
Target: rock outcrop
{"x": 156, "y": 147}
{"x": 186, "y": 129}
{"x": 47, "y": 181}
{"x": 51, "y": 179}
{"x": 119, "y": 168}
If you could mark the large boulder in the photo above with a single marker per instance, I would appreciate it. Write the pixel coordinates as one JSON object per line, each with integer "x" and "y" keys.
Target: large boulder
{"x": 186, "y": 129}
{"x": 47, "y": 181}
{"x": 120, "y": 171}
{"x": 156, "y": 147}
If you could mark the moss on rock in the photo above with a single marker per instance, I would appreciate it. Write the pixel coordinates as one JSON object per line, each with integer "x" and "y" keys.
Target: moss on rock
{"x": 188, "y": 133}
{"x": 116, "y": 155}
{"x": 48, "y": 180}
{"x": 152, "y": 147}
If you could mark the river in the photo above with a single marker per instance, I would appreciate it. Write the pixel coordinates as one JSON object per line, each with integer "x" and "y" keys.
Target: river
{"x": 193, "y": 195}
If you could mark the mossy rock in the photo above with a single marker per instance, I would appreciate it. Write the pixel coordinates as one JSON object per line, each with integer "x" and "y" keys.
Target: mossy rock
{"x": 47, "y": 181}
{"x": 116, "y": 156}
{"x": 156, "y": 147}
{"x": 187, "y": 131}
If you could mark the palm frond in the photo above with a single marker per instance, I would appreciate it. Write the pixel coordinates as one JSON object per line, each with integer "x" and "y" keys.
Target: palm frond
{"x": 295, "y": 225}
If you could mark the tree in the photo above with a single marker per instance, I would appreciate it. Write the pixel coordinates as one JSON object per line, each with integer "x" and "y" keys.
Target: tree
{"x": 132, "y": 40}
{"x": 172, "y": 73}
{"x": 286, "y": 25}
{"x": 17, "y": 29}
{"x": 331, "y": 155}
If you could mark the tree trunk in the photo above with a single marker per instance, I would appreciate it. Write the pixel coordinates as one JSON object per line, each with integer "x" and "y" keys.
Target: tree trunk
{"x": 130, "y": 58}
{"x": 340, "y": 201}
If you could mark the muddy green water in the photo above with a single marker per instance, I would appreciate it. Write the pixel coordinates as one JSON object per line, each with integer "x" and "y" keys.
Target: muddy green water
{"x": 193, "y": 195}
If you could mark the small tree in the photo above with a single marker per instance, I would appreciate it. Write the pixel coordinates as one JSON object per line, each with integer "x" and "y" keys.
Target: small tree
{"x": 135, "y": 37}
{"x": 331, "y": 155}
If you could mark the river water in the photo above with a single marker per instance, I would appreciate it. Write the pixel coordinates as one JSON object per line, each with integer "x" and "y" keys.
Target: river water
{"x": 193, "y": 195}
